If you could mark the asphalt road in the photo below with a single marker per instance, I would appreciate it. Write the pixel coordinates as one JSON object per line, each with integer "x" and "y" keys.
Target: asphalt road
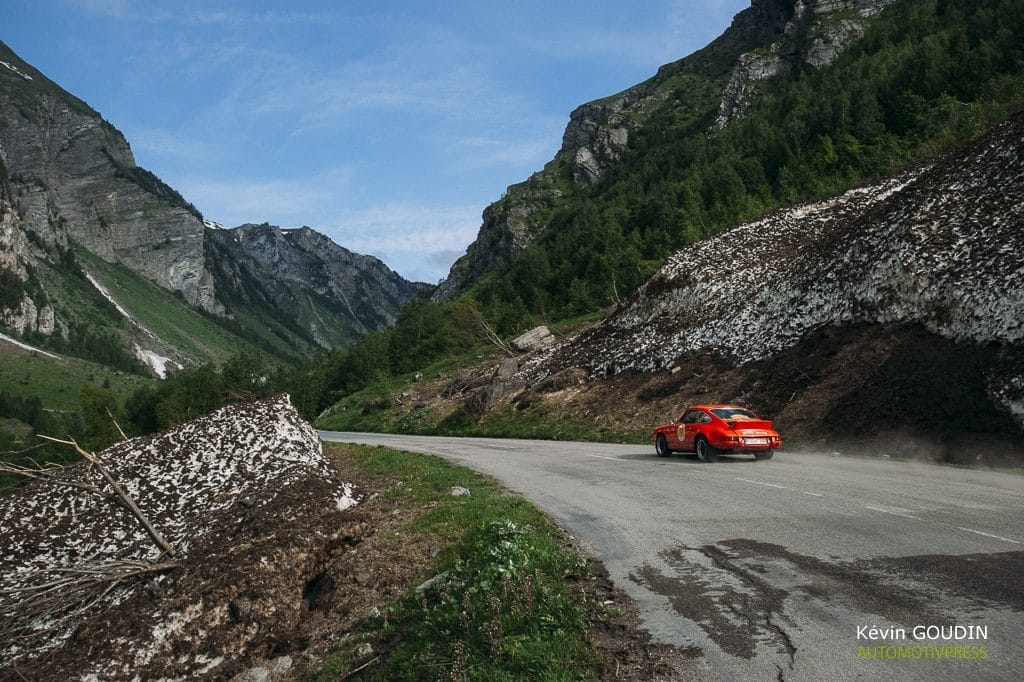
{"x": 780, "y": 569}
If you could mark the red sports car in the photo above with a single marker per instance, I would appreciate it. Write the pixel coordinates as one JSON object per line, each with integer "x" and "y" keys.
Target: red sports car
{"x": 707, "y": 430}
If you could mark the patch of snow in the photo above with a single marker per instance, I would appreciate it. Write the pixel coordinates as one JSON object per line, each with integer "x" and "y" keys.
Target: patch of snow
{"x": 346, "y": 498}
{"x": 158, "y": 363}
{"x": 213, "y": 225}
{"x": 19, "y": 344}
{"x": 106, "y": 294}
{"x": 16, "y": 70}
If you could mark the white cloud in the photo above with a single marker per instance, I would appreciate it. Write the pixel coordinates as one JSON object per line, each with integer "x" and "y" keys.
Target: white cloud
{"x": 420, "y": 242}
{"x": 289, "y": 202}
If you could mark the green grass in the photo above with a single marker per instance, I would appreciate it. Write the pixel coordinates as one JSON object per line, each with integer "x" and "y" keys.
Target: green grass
{"x": 502, "y": 608}
{"x": 375, "y": 409}
{"x": 164, "y": 313}
{"x": 57, "y": 382}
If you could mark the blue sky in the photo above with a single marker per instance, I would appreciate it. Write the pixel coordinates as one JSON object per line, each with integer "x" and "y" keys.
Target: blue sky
{"x": 389, "y": 126}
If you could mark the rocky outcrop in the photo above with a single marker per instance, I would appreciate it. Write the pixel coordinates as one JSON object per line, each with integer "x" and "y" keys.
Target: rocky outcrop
{"x": 813, "y": 34}
{"x": 72, "y": 176}
{"x": 507, "y": 229}
{"x": 597, "y": 134}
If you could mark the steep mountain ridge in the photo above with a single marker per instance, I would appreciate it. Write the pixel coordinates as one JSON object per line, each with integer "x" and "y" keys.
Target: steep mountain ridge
{"x": 711, "y": 87}
{"x": 75, "y": 207}
{"x": 74, "y": 178}
{"x": 324, "y": 290}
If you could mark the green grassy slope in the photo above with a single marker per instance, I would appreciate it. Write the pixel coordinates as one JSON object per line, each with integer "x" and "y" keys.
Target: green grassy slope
{"x": 196, "y": 336}
{"x": 57, "y": 382}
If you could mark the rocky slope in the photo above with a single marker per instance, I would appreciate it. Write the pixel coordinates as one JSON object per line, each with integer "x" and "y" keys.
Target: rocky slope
{"x": 73, "y": 177}
{"x": 771, "y": 38}
{"x": 912, "y": 287}
{"x": 324, "y": 289}
{"x": 70, "y": 191}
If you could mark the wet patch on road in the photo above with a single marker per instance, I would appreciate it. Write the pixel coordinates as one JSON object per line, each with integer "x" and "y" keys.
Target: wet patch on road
{"x": 900, "y": 588}
{"x": 738, "y": 609}
{"x": 737, "y": 591}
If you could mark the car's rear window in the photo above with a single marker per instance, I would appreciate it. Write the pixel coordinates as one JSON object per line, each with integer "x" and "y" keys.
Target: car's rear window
{"x": 733, "y": 413}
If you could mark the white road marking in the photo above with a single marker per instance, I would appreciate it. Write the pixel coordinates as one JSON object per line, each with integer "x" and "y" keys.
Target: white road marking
{"x": 891, "y": 511}
{"x": 941, "y": 523}
{"x": 614, "y": 459}
{"x": 807, "y": 492}
{"x": 989, "y": 535}
{"x": 747, "y": 480}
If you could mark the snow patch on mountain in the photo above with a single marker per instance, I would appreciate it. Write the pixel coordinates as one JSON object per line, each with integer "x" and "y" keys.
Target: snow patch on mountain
{"x": 25, "y": 346}
{"x": 158, "y": 363}
{"x": 16, "y": 70}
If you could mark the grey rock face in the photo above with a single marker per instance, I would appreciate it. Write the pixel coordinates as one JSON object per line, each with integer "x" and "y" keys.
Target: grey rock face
{"x": 597, "y": 134}
{"x": 305, "y": 278}
{"x": 73, "y": 176}
{"x": 814, "y": 34}
{"x": 506, "y": 231}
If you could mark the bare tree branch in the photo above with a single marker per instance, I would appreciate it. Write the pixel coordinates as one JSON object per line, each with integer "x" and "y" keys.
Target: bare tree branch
{"x": 116, "y": 425}
{"x": 491, "y": 335}
{"x": 125, "y": 498}
{"x": 57, "y": 596}
{"x": 49, "y": 473}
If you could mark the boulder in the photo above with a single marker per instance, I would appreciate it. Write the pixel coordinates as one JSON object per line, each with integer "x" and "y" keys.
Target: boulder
{"x": 535, "y": 339}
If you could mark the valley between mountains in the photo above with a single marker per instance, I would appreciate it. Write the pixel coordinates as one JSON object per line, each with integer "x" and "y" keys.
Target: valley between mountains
{"x": 818, "y": 216}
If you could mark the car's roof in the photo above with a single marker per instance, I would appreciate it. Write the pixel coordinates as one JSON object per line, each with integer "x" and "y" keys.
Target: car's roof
{"x": 715, "y": 406}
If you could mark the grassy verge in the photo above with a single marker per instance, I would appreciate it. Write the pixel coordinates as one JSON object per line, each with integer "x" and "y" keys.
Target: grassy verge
{"x": 505, "y": 599}
{"x": 375, "y": 410}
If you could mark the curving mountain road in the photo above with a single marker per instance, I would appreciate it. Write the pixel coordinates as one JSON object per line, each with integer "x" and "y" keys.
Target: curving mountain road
{"x": 780, "y": 569}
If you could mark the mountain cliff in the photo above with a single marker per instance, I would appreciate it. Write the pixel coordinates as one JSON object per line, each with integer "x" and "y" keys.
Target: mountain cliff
{"x": 326, "y": 290}
{"x": 90, "y": 243}
{"x": 708, "y": 89}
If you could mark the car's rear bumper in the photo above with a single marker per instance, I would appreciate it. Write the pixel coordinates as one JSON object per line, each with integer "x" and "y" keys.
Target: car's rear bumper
{"x": 732, "y": 447}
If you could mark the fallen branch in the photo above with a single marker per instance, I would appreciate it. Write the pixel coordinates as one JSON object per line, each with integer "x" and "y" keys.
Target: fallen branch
{"x": 116, "y": 425}
{"x": 492, "y": 335}
{"x": 49, "y": 473}
{"x": 364, "y": 666}
{"x": 120, "y": 492}
{"x": 52, "y": 598}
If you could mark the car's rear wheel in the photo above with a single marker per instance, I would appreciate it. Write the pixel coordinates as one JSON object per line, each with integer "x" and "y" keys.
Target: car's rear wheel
{"x": 767, "y": 454}
{"x": 704, "y": 452}
{"x": 661, "y": 447}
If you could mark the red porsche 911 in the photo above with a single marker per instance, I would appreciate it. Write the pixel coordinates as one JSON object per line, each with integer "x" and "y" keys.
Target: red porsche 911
{"x": 710, "y": 430}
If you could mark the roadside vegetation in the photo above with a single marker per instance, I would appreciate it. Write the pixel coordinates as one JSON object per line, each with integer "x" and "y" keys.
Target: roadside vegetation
{"x": 505, "y": 598}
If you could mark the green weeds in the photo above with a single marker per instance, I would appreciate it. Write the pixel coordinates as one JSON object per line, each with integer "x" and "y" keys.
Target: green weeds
{"x": 500, "y": 604}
